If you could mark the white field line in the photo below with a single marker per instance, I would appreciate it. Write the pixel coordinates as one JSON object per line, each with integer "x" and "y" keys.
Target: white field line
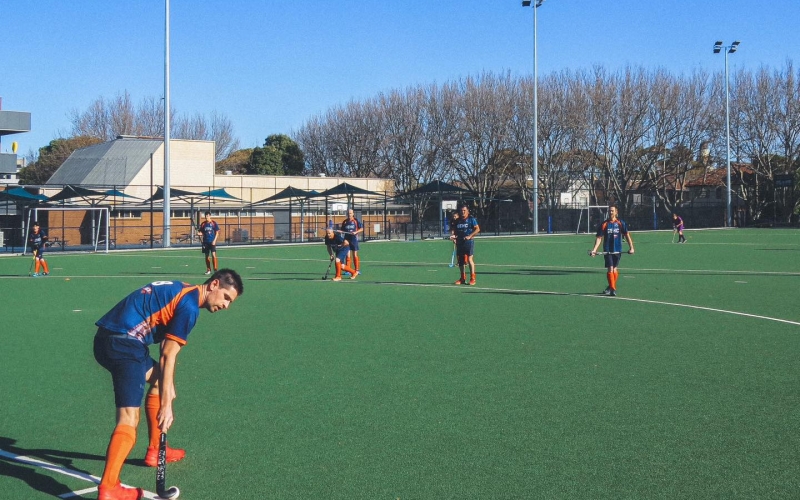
{"x": 67, "y": 472}
{"x": 595, "y": 296}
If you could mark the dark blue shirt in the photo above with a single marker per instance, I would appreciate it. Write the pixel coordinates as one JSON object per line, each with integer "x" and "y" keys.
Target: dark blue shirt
{"x": 613, "y": 232}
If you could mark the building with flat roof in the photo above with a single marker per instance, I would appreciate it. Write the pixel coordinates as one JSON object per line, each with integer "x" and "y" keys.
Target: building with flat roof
{"x": 11, "y": 122}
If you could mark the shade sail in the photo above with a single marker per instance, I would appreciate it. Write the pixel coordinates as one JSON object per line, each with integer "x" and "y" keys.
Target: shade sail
{"x": 434, "y": 187}
{"x": 19, "y": 194}
{"x": 219, "y": 193}
{"x": 345, "y": 189}
{"x": 288, "y": 193}
{"x": 190, "y": 197}
{"x": 69, "y": 192}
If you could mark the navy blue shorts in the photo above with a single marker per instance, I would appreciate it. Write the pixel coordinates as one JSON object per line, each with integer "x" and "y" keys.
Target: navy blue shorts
{"x": 353, "y": 243}
{"x": 341, "y": 254}
{"x": 209, "y": 248}
{"x": 465, "y": 248}
{"x": 612, "y": 260}
{"x": 128, "y": 361}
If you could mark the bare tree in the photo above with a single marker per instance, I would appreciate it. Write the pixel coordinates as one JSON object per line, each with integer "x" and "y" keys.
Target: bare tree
{"x": 479, "y": 152}
{"x": 108, "y": 119}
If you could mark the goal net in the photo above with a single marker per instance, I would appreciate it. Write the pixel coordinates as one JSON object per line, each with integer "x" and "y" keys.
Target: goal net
{"x": 76, "y": 228}
{"x": 590, "y": 217}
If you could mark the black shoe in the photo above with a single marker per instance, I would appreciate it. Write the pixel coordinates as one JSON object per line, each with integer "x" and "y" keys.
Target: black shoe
{"x": 607, "y": 291}
{"x": 613, "y": 293}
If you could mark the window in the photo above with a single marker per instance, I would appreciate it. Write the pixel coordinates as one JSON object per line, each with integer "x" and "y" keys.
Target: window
{"x": 126, "y": 214}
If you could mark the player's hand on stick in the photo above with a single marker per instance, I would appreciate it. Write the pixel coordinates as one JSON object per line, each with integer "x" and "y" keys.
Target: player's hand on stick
{"x": 630, "y": 251}
{"x": 592, "y": 253}
{"x": 165, "y": 418}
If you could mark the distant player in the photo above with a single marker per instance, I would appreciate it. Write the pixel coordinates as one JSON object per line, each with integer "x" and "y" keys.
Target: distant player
{"x": 351, "y": 227}
{"x": 208, "y": 231}
{"x": 338, "y": 249}
{"x": 463, "y": 231}
{"x": 611, "y": 232}
{"x": 677, "y": 225}
{"x": 162, "y": 313}
{"x": 37, "y": 241}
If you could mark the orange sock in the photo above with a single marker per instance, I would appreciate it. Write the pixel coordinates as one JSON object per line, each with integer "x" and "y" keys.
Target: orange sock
{"x": 38, "y": 265}
{"x": 152, "y": 404}
{"x": 610, "y": 278}
{"x": 358, "y": 266}
{"x": 347, "y": 261}
{"x": 348, "y": 269}
{"x": 46, "y": 269}
{"x": 122, "y": 440}
{"x": 338, "y": 269}
{"x": 616, "y": 275}
{"x": 215, "y": 262}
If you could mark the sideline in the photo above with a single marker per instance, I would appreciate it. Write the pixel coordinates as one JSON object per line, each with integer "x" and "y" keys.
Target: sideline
{"x": 591, "y": 296}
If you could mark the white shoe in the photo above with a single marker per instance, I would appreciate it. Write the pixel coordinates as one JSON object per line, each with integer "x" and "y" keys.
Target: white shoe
{"x": 207, "y": 272}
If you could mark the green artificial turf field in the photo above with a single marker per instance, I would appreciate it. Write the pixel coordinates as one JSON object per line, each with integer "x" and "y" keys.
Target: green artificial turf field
{"x": 401, "y": 385}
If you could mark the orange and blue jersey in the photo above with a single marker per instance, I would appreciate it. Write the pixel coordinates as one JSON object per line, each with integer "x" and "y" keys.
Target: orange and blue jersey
{"x": 337, "y": 245}
{"x": 613, "y": 232}
{"x": 162, "y": 309}
{"x": 351, "y": 226}
{"x": 209, "y": 230}
{"x": 37, "y": 241}
{"x": 464, "y": 227}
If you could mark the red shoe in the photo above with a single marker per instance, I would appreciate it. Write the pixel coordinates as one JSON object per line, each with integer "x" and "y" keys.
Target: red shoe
{"x": 173, "y": 455}
{"x": 119, "y": 492}
{"x": 472, "y": 281}
{"x": 461, "y": 281}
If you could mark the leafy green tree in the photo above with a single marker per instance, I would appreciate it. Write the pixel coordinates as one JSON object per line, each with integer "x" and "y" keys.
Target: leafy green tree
{"x": 52, "y": 156}
{"x": 292, "y": 158}
{"x": 265, "y": 161}
{"x": 237, "y": 162}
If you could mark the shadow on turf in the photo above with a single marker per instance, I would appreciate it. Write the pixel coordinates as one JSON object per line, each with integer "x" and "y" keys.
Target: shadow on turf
{"x": 540, "y": 272}
{"x": 31, "y": 475}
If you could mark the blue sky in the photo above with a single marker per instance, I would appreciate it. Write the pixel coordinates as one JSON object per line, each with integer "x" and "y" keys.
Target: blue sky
{"x": 271, "y": 65}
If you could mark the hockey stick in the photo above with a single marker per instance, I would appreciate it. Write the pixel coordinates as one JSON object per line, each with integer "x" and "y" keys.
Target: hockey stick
{"x": 603, "y": 253}
{"x": 161, "y": 472}
{"x": 453, "y": 257}
{"x": 328, "y": 271}
{"x": 30, "y": 268}
{"x": 674, "y": 232}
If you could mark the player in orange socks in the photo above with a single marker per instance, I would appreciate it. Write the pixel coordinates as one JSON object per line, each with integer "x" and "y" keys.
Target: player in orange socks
{"x": 161, "y": 313}
{"x": 37, "y": 240}
{"x": 208, "y": 232}
{"x": 611, "y": 232}
{"x": 338, "y": 250}
{"x": 351, "y": 227}
{"x": 463, "y": 231}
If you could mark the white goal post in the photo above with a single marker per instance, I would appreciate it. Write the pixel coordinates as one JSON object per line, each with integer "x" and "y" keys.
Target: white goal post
{"x": 594, "y": 215}
{"x": 98, "y": 223}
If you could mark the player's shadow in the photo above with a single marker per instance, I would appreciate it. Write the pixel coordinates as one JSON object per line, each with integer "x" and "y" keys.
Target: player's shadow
{"x": 287, "y": 276}
{"x": 538, "y": 272}
{"x": 31, "y": 474}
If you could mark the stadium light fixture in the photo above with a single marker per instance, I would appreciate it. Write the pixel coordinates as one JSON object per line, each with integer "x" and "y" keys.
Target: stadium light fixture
{"x": 729, "y": 49}
{"x": 535, "y": 154}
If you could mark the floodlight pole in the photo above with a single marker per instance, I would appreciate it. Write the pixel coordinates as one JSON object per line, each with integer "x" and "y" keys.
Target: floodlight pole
{"x": 166, "y": 237}
{"x": 535, "y": 154}
{"x": 729, "y": 49}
